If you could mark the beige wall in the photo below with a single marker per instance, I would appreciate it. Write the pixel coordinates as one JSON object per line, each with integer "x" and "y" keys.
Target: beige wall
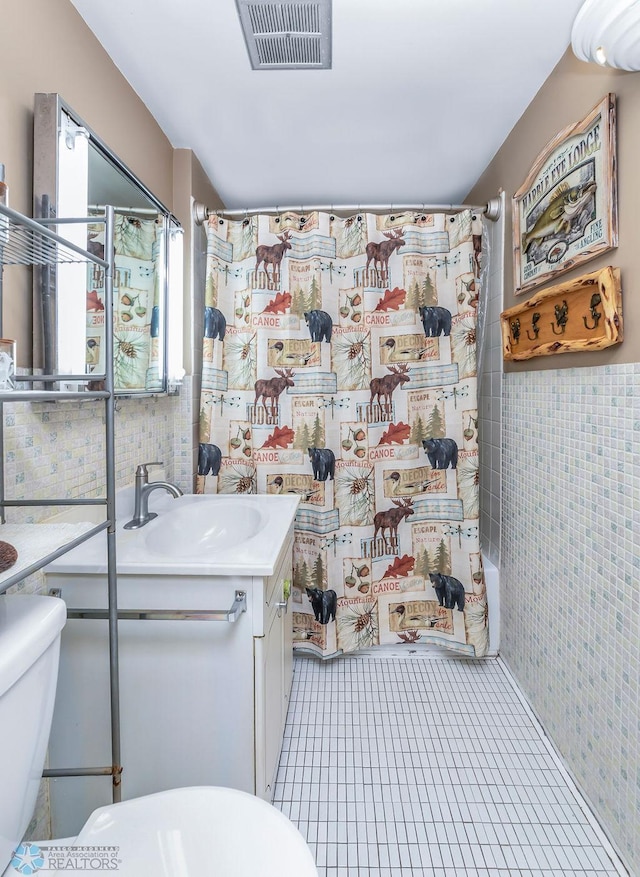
{"x": 192, "y": 184}
{"x": 571, "y": 91}
{"x": 48, "y": 48}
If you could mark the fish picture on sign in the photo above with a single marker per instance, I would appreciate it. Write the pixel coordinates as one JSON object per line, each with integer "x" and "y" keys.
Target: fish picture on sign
{"x": 565, "y": 213}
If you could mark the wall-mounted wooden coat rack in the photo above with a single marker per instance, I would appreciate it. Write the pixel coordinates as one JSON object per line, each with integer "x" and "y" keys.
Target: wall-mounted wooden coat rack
{"x": 580, "y": 314}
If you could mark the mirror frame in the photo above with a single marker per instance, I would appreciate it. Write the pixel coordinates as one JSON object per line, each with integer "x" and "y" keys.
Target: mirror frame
{"x": 49, "y": 110}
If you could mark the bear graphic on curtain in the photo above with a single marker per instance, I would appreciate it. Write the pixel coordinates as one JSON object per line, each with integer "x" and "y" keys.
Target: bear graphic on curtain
{"x": 340, "y": 366}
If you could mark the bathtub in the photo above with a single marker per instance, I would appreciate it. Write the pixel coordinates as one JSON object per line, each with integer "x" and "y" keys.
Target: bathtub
{"x": 492, "y": 579}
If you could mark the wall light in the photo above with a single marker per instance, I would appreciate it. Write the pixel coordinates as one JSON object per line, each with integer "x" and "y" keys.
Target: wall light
{"x": 607, "y": 32}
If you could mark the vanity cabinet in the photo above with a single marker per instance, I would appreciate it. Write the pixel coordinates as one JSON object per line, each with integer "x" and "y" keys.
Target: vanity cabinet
{"x": 201, "y": 702}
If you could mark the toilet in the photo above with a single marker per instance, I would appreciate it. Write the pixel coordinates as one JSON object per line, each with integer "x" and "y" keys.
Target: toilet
{"x": 191, "y": 832}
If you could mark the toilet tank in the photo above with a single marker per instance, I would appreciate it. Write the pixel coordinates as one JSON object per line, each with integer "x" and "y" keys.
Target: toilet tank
{"x": 30, "y": 627}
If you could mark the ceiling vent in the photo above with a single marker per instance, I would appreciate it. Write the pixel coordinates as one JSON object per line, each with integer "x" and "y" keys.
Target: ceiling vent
{"x": 289, "y": 35}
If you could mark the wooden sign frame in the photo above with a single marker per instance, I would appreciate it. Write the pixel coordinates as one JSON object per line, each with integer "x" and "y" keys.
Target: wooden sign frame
{"x": 580, "y": 314}
{"x": 566, "y": 212}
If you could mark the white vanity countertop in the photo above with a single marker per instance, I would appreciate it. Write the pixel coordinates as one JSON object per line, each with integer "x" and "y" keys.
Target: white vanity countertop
{"x": 208, "y": 535}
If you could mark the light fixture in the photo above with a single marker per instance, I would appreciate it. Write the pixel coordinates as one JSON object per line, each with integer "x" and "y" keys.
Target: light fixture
{"x": 607, "y": 32}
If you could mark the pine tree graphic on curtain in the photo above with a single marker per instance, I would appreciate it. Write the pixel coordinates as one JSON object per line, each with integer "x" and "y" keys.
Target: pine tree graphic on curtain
{"x": 340, "y": 366}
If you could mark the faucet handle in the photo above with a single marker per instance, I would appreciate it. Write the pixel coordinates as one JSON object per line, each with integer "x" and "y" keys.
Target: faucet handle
{"x": 142, "y": 468}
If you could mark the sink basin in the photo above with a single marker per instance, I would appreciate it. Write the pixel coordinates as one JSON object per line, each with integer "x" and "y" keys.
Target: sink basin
{"x": 192, "y": 527}
{"x": 194, "y": 535}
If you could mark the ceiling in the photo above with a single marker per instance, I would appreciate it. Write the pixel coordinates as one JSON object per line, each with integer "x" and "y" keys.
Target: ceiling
{"x": 421, "y": 95}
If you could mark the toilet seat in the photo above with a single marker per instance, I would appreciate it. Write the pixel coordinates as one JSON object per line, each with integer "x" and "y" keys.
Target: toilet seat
{"x": 200, "y": 831}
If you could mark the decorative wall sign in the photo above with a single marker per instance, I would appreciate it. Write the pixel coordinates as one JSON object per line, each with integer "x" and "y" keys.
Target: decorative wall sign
{"x": 565, "y": 212}
{"x": 580, "y": 314}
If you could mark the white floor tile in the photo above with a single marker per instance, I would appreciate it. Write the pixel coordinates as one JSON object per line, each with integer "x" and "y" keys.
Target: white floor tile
{"x": 427, "y": 767}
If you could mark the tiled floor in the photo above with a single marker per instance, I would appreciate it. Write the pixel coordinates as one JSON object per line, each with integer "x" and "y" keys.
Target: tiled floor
{"x": 423, "y": 765}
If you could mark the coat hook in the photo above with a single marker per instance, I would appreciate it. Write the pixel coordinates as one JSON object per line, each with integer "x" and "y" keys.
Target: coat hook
{"x": 562, "y": 316}
{"x": 596, "y": 298}
{"x": 534, "y": 326}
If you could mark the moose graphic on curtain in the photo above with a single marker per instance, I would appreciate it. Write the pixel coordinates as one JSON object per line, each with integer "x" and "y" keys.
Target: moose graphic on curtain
{"x": 340, "y": 366}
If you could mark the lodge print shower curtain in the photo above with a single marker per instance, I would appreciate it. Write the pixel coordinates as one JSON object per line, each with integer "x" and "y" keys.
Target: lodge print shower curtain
{"x": 138, "y": 270}
{"x": 340, "y": 366}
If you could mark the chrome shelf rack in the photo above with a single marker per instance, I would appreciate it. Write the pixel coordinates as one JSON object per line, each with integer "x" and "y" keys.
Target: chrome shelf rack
{"x": 30, "y": 242}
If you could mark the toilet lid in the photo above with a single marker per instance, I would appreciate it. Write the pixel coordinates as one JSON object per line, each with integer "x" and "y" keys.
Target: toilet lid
{"x": 199, "y": 831}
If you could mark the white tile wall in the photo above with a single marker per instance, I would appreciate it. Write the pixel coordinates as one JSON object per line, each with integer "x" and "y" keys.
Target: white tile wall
{"x": 570, "y": 568}
{"x": 56, "y": 449}
{"x": 490, "y": 390}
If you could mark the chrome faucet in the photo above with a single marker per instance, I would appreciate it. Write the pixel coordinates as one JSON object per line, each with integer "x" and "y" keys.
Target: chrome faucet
{"x": 141, "y": 513}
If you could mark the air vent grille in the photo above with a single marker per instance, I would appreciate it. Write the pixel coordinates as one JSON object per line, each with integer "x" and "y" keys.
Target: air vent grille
{"x": 287, "y": 35}
{"x": 296, "y": 51}
{"x": 269, "y": 18}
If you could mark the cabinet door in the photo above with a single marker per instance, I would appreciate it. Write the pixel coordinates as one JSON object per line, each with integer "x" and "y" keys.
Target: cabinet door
{"x": 287, "y": 646}
{"x": 273, "y": 727}
{"x": 273, "y": 681}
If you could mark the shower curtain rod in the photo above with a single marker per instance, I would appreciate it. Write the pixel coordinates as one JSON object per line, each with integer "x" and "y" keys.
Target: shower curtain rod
{"x": 491, "y": 209}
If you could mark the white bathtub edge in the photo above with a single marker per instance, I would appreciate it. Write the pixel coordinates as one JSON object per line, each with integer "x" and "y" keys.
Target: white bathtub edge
{"x": 492, "y": 581}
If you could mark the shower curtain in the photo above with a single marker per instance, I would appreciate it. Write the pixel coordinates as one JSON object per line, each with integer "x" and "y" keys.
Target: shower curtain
{"x": 340, "y": 366}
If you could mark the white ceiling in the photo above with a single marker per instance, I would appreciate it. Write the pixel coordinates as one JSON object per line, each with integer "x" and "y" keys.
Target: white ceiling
{"x": 421, "y": 95}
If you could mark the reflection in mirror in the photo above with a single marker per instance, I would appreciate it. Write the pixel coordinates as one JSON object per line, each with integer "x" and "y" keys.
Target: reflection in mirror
{"x": 75, "y": 175}
{"x": 139, "y": 246}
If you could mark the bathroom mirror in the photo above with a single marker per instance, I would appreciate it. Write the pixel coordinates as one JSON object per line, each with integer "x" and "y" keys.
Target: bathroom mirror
{"x": 76, "y": 175}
